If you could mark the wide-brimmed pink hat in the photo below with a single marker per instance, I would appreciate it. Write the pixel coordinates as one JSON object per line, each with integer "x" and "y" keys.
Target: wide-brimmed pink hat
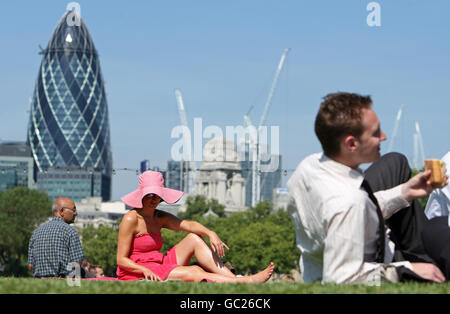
{"x": 151, "y": 182}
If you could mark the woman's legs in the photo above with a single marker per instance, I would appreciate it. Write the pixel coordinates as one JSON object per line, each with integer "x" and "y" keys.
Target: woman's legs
{"x": 192, "y": 244}
{"x": 197, "y": 274}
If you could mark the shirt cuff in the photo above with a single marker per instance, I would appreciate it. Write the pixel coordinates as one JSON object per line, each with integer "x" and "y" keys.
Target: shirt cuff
{"x": 404, "y": 264}
{"x": 391, "y": 201}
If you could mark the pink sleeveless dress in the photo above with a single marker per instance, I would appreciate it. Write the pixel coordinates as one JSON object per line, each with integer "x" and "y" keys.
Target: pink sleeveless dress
{"x": 145, "y": 251}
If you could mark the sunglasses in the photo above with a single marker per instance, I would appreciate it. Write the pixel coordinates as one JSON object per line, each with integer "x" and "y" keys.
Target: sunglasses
{"x": 152, "y": 195}
{"x": 72, "y": 209}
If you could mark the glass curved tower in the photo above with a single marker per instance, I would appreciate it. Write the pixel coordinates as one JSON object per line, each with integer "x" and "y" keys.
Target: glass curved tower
{"x": 68, "y": 127}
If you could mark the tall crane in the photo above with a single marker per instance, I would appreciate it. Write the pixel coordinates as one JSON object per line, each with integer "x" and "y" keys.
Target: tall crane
{"x": 416, "y": 151}
{"x": 418, "y": 144}
{"x": 180, "y": 104}
{"x": 272, "y": 89}
{"x": 394, "y": 132}
{"x": 186, "y": 166}
{"x": 255, "y": 145}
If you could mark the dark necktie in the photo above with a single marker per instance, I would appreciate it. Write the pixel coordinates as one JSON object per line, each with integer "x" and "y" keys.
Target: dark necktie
{"x": 379, "y": 257}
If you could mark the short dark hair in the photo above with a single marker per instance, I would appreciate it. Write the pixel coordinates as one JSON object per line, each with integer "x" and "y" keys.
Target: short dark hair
{"x": 339, "y": 114}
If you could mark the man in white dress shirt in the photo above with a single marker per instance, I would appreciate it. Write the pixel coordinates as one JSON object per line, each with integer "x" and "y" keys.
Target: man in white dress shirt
{"x": 437, "y": 237}
{"x": 438, "y": 204}
{"x": 337, "y": 224}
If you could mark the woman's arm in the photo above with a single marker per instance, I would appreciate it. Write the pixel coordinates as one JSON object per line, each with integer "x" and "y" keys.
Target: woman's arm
{"x": 126, "y": 234}
{"x": 172, "y": 222}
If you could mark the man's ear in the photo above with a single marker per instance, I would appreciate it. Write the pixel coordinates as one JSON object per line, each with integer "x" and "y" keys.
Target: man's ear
{"x": 350, "y": 143}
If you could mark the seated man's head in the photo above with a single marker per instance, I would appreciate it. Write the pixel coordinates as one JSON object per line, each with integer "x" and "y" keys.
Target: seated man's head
{"x": 65, "y": 208}
{"x": 348, "y": 129}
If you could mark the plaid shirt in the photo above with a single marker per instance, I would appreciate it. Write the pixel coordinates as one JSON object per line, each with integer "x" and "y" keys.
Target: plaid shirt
{"x": 52, "y": 247}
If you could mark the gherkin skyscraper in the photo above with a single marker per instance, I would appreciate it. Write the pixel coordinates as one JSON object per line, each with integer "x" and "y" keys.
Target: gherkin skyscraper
{"x": 68, "y": 130}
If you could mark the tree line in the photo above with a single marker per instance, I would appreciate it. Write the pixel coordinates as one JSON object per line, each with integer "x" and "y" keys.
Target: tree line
{"x": 256, "y": 237}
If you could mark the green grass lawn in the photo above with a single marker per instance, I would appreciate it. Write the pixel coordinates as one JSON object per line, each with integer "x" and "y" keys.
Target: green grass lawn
{"x": 44, "y": 286}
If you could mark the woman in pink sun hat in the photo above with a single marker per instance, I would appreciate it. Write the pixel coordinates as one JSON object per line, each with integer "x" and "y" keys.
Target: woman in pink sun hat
{"x": 138, "y": 255}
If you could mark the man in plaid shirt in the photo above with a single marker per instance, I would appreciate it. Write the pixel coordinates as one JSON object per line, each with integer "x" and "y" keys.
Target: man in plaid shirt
{"x": 55, "y": 245}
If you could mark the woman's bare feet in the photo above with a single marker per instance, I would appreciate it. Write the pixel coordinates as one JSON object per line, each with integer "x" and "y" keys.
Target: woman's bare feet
{"x": 260, "y": 277}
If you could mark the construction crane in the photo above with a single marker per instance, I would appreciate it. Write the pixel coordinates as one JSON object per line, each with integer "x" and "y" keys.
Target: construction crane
{"x": 180, "y": 104}
{"x": 394, "y": 132}
{"x": 272, "y": 89}
{"x": 186, "y": 166}
{"x": 416, "y": 151}
{"x": 247, "y": 117}
{"x": 418, "y": 144}
{"x": 254, "y": 141}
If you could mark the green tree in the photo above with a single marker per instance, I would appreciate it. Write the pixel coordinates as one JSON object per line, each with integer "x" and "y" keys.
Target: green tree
{"x": 254, "y": 247}
{"x": 261, "y": 236}
{"x": 198, "y": 205}
{"x": 100, "y": 247}
{"x": 260, "y": 211}
{"x": 256, "y": 237}
{"x": 21, "y": 211}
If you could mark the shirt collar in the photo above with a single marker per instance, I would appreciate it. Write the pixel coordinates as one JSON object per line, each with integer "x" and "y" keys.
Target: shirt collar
{"x": 56, "y": 218}
{"x": 354, "y": 177}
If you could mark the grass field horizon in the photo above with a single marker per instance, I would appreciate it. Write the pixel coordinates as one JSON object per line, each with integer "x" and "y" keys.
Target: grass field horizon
{"x": 12, "y": 285}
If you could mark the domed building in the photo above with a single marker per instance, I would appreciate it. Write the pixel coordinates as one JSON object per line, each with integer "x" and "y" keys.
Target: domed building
{"x": 220, "y": 177}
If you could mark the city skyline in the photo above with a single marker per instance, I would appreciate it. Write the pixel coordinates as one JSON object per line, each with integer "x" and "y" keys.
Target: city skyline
{"x": 223, "y": 55}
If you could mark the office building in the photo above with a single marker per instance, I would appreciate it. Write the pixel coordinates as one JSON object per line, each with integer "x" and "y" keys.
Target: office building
{"x": 74, "y": 183}
{"x": 68, "y": 127}
{"x": 269, "y": 180}
{"x": 180, "y": 175}
{"x": 16, "y": 165}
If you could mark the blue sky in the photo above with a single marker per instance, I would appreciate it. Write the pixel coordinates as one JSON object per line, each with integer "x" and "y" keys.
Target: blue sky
{"x": 222, "y": 55}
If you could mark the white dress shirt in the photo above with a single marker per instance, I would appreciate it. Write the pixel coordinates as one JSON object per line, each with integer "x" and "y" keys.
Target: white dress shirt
{"x": 336, "y": 223}
{"x": 439, "y": 201}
